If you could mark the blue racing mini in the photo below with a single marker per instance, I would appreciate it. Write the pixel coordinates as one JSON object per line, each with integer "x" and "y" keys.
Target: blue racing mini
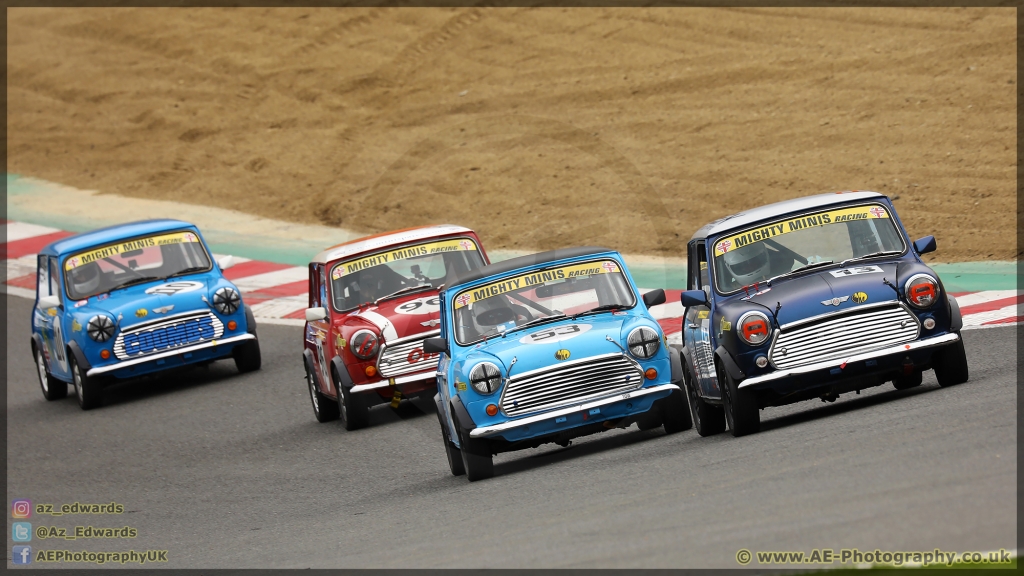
{"x": 131, "y": 300}
{"x": 811, "y": 298}
{"x": 546, "y": 348}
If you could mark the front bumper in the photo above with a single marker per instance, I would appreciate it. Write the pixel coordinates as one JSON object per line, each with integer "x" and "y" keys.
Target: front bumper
{"x": 942, "y": 340}
{"x": 169, "y": 353}
{"x": 608, "y": 408}
{"x": 397, "y": 382}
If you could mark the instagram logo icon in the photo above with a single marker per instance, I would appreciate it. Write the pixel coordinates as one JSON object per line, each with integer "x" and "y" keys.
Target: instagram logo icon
{"x": 21, "y": 509}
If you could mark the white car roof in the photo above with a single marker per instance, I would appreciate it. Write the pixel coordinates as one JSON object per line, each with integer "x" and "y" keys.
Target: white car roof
{"x": 371, "y": 243}
{"x": 770, "y": 211}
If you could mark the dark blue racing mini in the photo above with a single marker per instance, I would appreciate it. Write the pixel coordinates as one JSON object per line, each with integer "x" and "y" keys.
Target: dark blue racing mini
{"x": 131, "y": 300}
{"x": 811, "y": 298}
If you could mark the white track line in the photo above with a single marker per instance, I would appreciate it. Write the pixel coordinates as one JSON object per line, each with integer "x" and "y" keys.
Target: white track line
{"x": 20, "y": 230}
{"x": 976, "y": 320}
{"x": 982, "y": 297}
{"x": 271, "y": 279}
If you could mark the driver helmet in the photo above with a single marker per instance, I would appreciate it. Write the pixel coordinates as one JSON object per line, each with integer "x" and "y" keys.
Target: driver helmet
{"x": 86, "y": 278}
{"x": 492, "y": 303}
{"x": 748, "y": 264}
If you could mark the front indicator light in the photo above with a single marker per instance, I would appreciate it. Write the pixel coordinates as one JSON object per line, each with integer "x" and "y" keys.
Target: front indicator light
{"x": 371, "y": 371}
{"x": 492, "y": 410}
{"x": 761, "y": 361}
{"x": 651, "y": 373}
{"x": 105, "y": 354}
{"x": 929, "y": 323}
{"x": 232, "y": 325}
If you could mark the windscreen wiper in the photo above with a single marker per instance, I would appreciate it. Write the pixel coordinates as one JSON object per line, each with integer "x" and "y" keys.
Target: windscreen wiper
{"x": 406, "y": 290}
{"x": 189, "y": 270}
{"x": 800, "y": 269}
{"x": 134, "y": 281}
{"x": 872, "y": 255}
{"x": 600, "y": 308}
{"x": 537, "y": 321}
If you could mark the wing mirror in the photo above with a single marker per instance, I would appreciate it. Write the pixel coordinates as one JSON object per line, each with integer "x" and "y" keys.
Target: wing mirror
{"x": 693, "y": 298}
{"x": 435, "y": 345}
{"x": 47, "y": 302}
{"x": 316, "y": 314}
{"x": 226, "y": 262}
{"x": 654, "y": 297}
{"x": 925, "y": 245}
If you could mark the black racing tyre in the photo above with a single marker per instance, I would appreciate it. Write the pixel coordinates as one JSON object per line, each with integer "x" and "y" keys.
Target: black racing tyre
{"x": 708, "y": 419}
{"x": 904, "y": 382}
{"x": 87, "y": 390}
{"x": 53, "y": 389}
{"x": 675, "y": 414}
{"x": 247, "y": 356}
{"x": 353, "y": 409}
{"x": 451, "y": 451}
{"x": 324, "y": 409}
{"x": 950, "y": 364}
{"x": 476, "y": 456}
{"x": 740, "y": 406}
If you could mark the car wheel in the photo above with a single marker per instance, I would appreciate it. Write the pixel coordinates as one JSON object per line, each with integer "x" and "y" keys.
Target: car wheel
{"x": 87, "y": 390}
{"x": 740, "y": 406}
{"x": 675, "y": 414}
{"x": 247, "y": 356}
{"x": 324, "y": 408}
{"x": 451, "y": 451}
{"x": 53, "y": 389}
{"x": 476, "y": 456}
{"x": 950, "y": 364}
{"x": 905, "y": 382}
{"x": 708, "y": 419}
{"x": 352, "y": 408}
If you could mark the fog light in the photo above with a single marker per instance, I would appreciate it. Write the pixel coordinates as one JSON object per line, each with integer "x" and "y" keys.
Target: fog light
{"x": 492, "y": 410}
{"x": 371, "y": 371}
{"x": 651, "y": 373}
{"x": 929, "y": 323}
{"x": 761, "y": 361}
{"x": 105, "y": 354}
{"x": 232, "y": 325}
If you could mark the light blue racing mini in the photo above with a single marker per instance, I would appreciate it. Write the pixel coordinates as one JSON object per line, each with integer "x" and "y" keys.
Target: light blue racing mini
{"x": 546, "y": 348}
{"x": 131, "y": 300}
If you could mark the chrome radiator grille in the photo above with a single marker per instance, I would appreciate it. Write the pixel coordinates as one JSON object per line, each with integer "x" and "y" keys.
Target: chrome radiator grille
{"x": 405, "y": 356}
{"x": 845, "y": 335}
{"x": 166, "y": 334}
{"x": 570, "y": 382}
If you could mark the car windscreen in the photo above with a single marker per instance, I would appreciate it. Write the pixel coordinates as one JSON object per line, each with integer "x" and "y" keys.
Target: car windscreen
{"x": 763, "y": 252}
{"x": 141, "y": 259}
{"x": 368, "y": 278}
{"x": 507, "y": 302}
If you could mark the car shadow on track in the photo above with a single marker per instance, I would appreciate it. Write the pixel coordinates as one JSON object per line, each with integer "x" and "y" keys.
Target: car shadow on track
{"x": 551, "y": 454}
{"x": 832, "y": 409}
{"x": 126, "y": 391}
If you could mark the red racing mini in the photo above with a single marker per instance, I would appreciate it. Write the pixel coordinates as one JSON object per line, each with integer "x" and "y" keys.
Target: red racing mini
{"x": 372, "y": 302}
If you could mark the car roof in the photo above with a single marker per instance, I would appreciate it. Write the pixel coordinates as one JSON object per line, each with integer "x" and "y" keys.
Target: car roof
{"x": 454, "y": 279}
{"x": 112, "y": 234}
{"x": 770, "y": 211}
{"x": 385, "y": 239}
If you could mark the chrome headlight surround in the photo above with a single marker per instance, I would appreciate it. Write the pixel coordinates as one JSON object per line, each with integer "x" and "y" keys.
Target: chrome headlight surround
{"x": 930, "y": 297}
{"x": 485, "y": 378}
{"x": 364, "y": 344}
{"x": 750, "y": 337}
{"x": 100, "y": 328}
{"x": 643, "y": 342}
{"x": 226, "y": 300}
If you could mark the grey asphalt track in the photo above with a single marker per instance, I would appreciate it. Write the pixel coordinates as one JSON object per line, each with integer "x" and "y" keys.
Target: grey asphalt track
{"x": 230, "y": 471}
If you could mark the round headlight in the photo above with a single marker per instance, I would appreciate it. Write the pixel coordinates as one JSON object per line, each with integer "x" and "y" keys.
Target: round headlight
{"x": 643, "y": 342}
{"x": 485, "y": 378}
{"x": 754, "y": 328}
{"x": 226, "y": 300}
{"x": 100, "y": 328}
{"x": 922, "y": 290}
{"x": 364, "y": 344}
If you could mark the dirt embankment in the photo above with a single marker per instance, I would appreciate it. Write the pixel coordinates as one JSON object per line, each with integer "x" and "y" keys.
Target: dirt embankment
{"x": 539, "y": 128}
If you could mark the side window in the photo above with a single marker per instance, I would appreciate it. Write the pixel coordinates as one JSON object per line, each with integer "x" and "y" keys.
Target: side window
{"x": 54, "y": 279}
{"x": 322, "y": 288}
{"x": 702, "y": 268}
{"x": 43, "y": 277}
{"x": 314, "y": 286}
{"x": 698, "y": 263}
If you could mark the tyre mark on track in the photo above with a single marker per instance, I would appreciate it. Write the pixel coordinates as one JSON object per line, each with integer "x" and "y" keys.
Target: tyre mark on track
{"x": 334, "y": 33}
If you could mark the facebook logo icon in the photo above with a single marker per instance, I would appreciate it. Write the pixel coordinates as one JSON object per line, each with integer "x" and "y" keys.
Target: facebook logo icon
{"x": 21, "y": 532}
{"x": 21, "y": 555}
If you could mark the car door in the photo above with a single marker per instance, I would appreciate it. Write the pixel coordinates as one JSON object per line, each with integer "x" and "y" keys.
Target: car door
{"x": 697, "y": 329}
{"x": 51, "y": 320}
{"x": 318, "y": 332}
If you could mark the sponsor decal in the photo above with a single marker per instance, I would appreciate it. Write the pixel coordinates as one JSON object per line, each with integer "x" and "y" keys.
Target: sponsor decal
{"x": 121, "y": 247}
{"x": 460, "y": 386}
{"x": 860, "y": 297}
{"x": 51, "y": 311}
{"x": 81, "y": 303}
{"x": 141, "y": 313}
{"x": 427, "y": 305}
{"x": 172, "y": 288}
{"x": 557, "y": 334}
{"x": 855, "y": 271}
{"x": 703, "y": 314}
{"x": 562, "y": 354}
{"x": 405, "y": 253}
{"x": 835, "y": 301}
{"x": 76, "y": 326}
{"x": 164, "y": 309}
{"x": 793, "y": 224}
{"x": 418, "y": 355}
{"x": 341, "y": 342}
{"x": 703, "y": 265}
{"x": 724, "y": 325}
{"x": 534, "y": 278}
